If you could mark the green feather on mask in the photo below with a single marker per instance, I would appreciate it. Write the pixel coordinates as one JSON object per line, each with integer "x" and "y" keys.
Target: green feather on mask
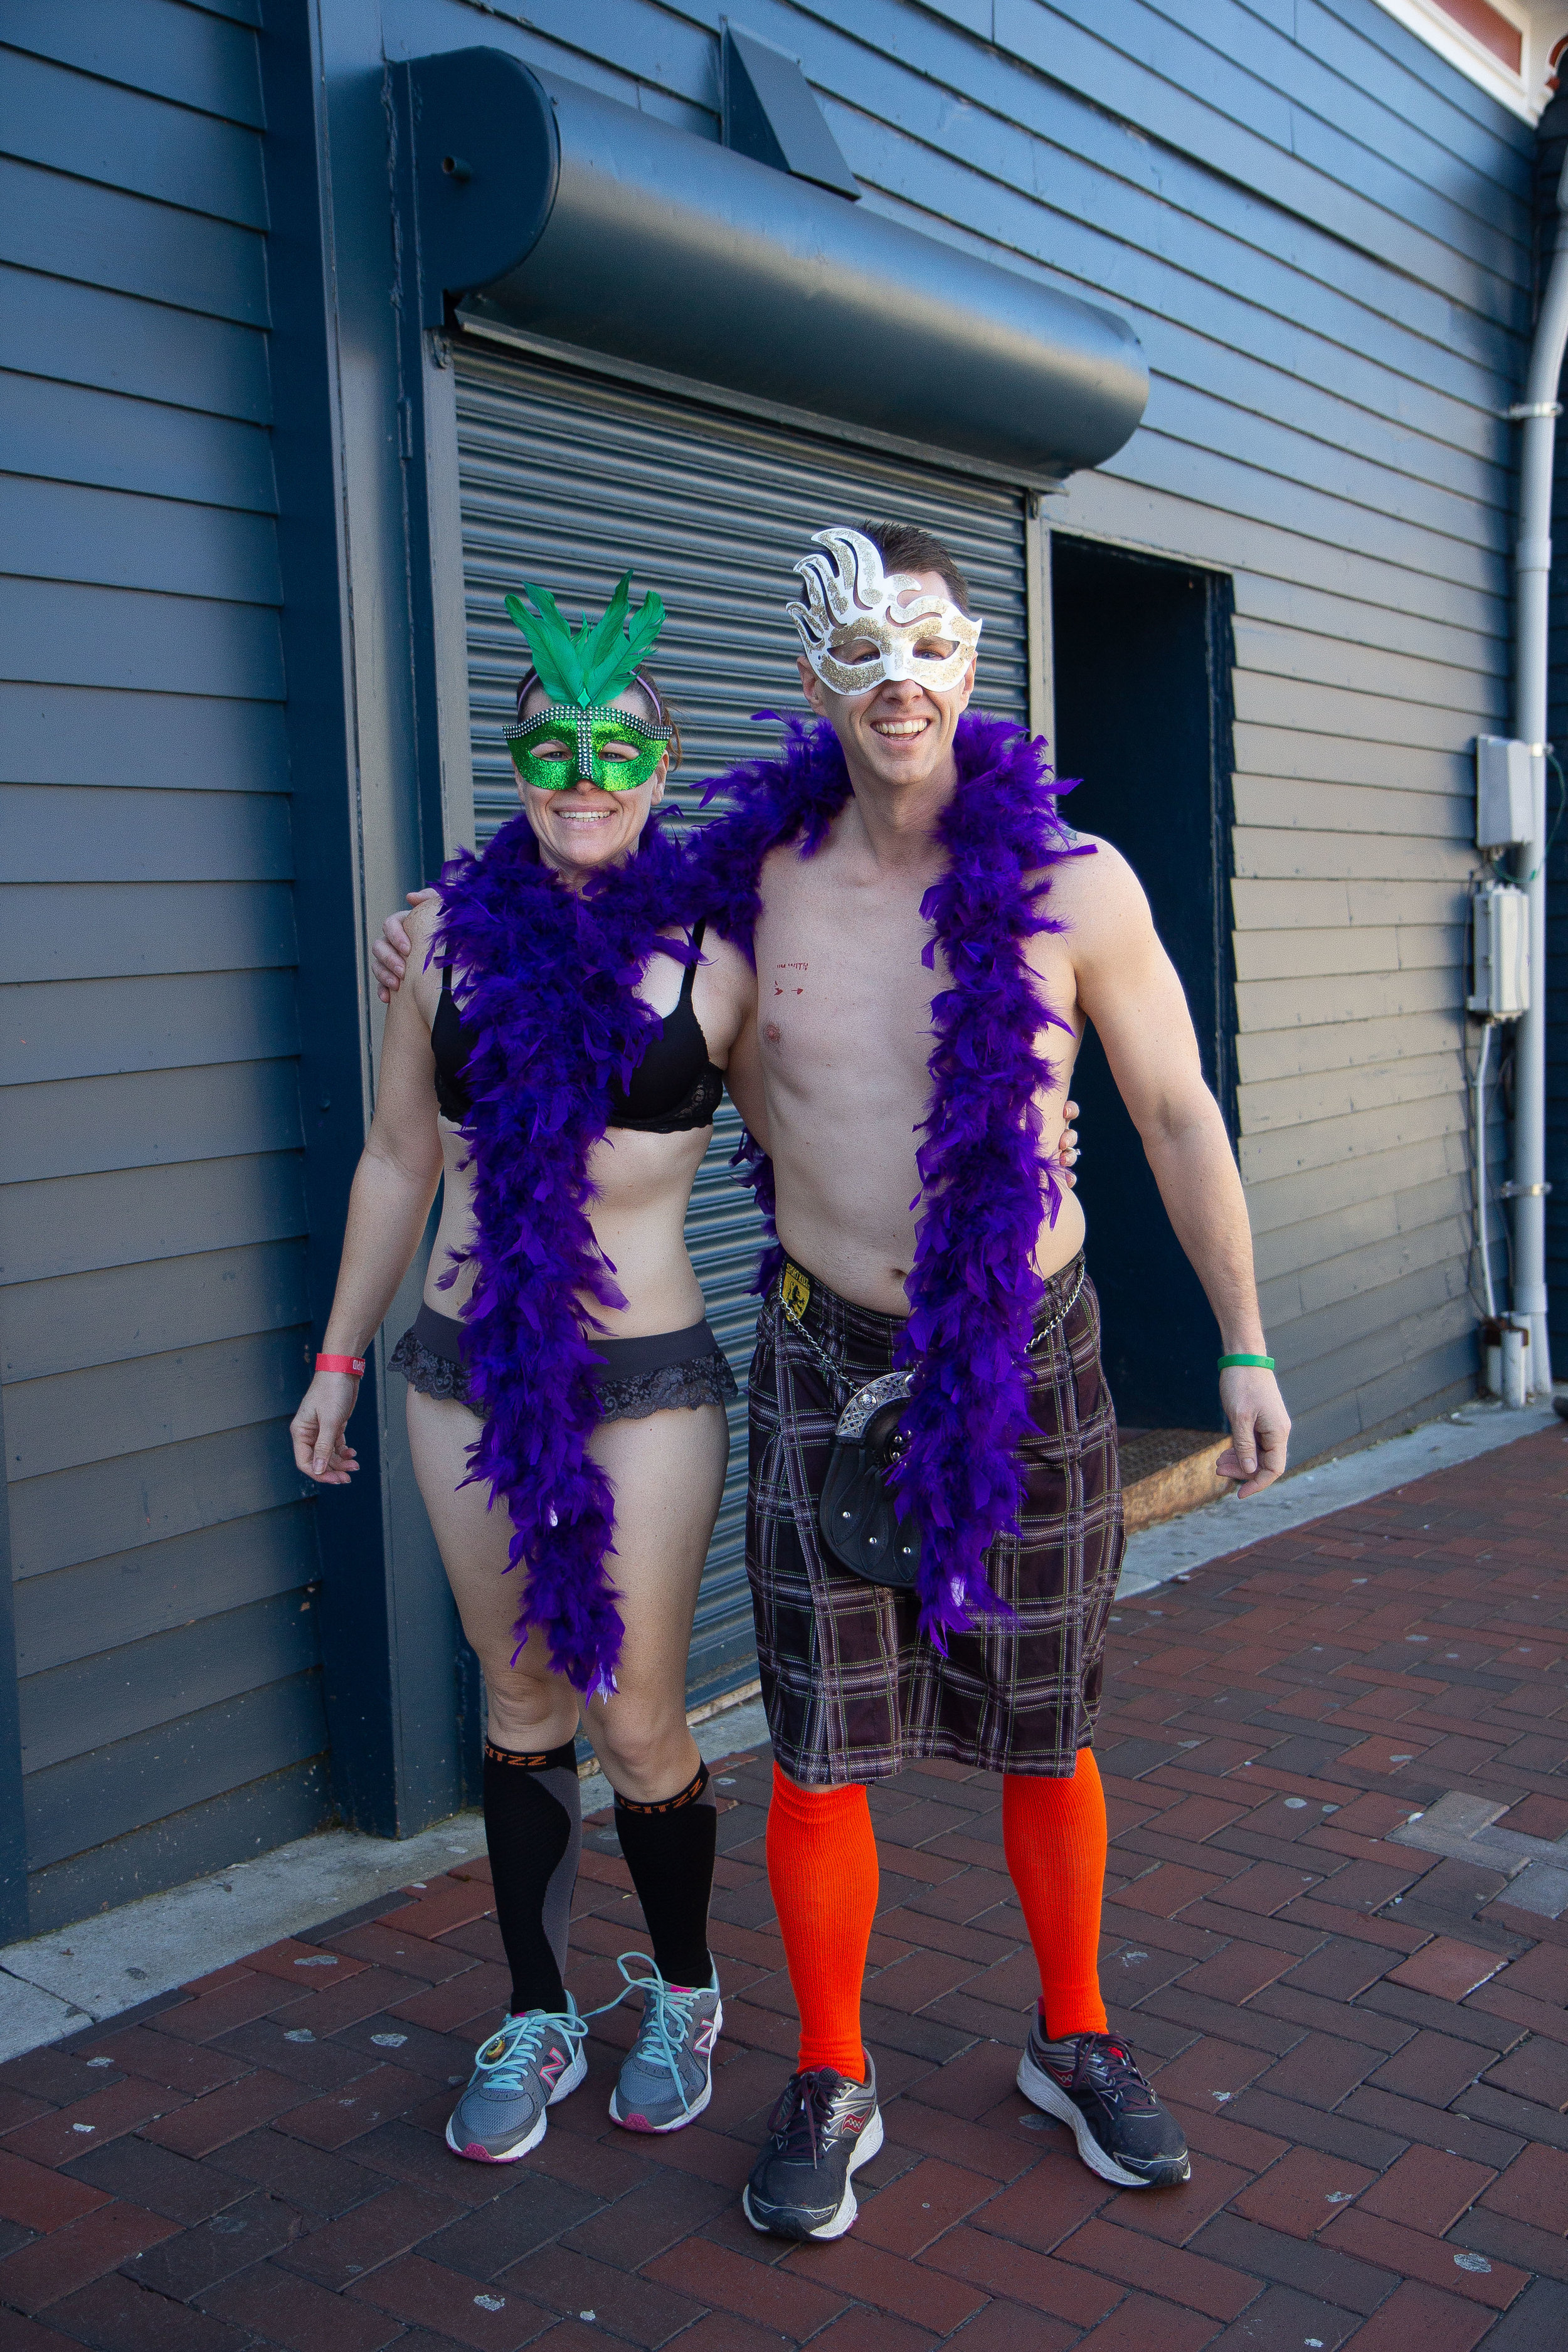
{"x": 590, "y": 665}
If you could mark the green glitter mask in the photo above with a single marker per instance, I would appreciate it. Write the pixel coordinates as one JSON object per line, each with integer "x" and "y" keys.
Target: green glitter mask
{"x": 583, "y": 670}
{"x": 591, "y": 730}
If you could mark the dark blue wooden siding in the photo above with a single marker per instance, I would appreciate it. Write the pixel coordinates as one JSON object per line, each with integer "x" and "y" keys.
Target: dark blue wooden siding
{"x": 153, "y": 1310}
{"x": 1322, "y": 234}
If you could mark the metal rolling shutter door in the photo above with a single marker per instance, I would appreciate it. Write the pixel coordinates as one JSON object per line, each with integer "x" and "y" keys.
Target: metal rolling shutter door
{"x": 567, "y": 478}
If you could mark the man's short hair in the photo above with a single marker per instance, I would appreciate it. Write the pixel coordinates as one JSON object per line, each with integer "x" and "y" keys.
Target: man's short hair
{"x": 905, "y": 547}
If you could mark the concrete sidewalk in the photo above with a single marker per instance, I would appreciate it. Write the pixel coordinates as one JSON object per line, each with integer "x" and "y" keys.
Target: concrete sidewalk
{"x": 1337, "y": 1765}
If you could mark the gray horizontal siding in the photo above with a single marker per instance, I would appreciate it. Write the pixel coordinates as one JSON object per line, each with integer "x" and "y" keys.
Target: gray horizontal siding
{"x": 74, "y": 1419}
{"x": 1307, "y": 955}
{"x": 149, "y": 350}
{"x": 151, "y": 1294}
{"x": 87, "y": 1028}
{"x": 1342, "y": 1231}
{"x": 1322, "y": 235}
{"x": 106, "y": 1317}
{"x": 211, "y": 1834}
{"x": 54, "y": 222}
{"x": 143, "y": 1119}
{"x": 115, "y": 1789}
{"x": 1366, "y": 525}
{"x": 96, "y": 1702}
{"x": 90, "y": 930}
{"x": 1386, "y": 194}
{"x": 144, "y": 1498}
{"x": 124, "y": 139}
{"x": 104, "y": 1604}
{"x": 158, "y": 47}
{"x": 75, "y": 432}
{"x": 114, "y": 540}
{"x": 67, "y": 1224}
{"x": 57, "y": 633}
{"x": 70, "y": 833}
{"x": 194, "y": 742}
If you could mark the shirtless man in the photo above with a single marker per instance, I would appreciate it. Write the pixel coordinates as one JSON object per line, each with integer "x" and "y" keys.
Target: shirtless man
{"x": 861, "y": 1677}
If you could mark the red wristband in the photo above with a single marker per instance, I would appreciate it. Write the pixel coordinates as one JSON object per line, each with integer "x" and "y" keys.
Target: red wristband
{"x": 354, "y": 1364}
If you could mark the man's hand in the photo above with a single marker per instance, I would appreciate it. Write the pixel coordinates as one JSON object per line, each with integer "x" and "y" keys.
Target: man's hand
{"x": 389, "y": 954}
{"x": 1259, "y": 1428}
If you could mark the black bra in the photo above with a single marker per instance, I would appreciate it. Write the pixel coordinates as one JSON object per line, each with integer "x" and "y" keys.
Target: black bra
{"x": 674, "y": 1087}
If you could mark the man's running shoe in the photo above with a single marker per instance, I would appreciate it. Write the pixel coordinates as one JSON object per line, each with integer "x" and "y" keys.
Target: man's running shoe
{"x": 822, "y": 2130}
{"x": 533, "y": 2061}
{"x": 1092, "y": 2082}
{"x": 667, "y": 2075}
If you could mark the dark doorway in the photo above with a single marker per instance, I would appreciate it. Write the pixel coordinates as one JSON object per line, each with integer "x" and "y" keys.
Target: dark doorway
{"x": 1142, "y": 664}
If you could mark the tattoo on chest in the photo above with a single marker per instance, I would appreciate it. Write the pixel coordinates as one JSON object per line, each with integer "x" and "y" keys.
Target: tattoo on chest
{"x": 788, "y": 986}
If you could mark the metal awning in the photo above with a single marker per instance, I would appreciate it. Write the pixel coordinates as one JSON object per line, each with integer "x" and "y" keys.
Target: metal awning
{"x": 589, "y": 226}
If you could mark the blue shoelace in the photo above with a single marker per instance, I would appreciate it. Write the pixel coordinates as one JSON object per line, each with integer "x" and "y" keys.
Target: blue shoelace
{"x": 523, "y": 2039}
{"x": 655, "y": 2038}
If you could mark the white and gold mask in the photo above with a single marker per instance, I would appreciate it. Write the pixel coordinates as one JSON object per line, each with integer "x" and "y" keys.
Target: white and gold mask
{"x": 850, "y": 602}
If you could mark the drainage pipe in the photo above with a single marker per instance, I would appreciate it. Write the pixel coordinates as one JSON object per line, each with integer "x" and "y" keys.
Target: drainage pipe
{"x": 1538, "y": 413}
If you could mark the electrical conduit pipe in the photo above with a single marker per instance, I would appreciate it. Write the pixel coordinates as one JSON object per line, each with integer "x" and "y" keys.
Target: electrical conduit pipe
{"x": 1532, "y": 568}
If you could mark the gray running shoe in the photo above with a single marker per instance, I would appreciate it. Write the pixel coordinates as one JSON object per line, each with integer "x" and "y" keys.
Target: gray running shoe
{"x": 667, "y": 2076}
{"x": 533, "y": 2061}
{"x": 823, "y": 2129}
{"x": 1093, "y": 2084}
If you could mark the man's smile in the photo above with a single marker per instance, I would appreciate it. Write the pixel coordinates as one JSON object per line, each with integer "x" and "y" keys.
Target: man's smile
{"x": 899, "y": 727}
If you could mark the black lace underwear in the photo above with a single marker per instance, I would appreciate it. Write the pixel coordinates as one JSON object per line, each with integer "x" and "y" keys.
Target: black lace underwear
{"x": 698, "y": 1379}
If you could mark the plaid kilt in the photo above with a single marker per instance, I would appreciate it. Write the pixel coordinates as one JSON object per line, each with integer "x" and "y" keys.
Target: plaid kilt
{"x": 853, "y": 1691}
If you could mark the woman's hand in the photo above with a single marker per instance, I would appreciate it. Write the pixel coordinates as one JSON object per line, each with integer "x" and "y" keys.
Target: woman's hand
{"x": 1066, "y": 1147}
{"x": 389, "y": 953}
{"x": 316, "y": 1430}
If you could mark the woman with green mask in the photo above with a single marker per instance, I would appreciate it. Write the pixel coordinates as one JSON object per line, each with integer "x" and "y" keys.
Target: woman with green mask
{"x": 556, "y": 1058}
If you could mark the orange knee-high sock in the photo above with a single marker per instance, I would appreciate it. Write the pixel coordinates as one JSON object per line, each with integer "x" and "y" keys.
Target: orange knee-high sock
{"x": 1053, "y": 1834}
{"x": 822, "y": 1868}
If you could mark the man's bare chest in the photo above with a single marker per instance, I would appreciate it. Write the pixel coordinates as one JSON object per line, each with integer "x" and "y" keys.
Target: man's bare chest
{"x": 841, "y": 987}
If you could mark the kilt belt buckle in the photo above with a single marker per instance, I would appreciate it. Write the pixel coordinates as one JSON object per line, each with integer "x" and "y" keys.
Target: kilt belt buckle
{"x": 862, "y": 1525}
{"x": 892, "y": 1388}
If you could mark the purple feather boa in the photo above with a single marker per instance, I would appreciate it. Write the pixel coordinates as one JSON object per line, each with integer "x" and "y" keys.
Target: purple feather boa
{"x": 985, "y": 1183}
{"x": 548, "y": 978}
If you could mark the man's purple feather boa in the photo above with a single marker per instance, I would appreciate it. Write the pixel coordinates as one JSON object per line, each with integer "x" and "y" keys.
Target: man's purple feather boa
{"x": 985, "y": 1183}
{"x": 548, "y": 979}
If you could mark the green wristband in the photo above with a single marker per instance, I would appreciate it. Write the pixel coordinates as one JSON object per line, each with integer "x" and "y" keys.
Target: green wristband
{"x": 1263, "y": 1363}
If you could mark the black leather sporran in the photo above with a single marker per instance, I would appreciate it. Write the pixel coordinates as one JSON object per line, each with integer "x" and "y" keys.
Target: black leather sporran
{"x": 862, "y": 1527}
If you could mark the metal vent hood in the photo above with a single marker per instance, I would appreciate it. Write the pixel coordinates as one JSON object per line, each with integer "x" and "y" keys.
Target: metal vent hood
{"x": 588, "y": 224}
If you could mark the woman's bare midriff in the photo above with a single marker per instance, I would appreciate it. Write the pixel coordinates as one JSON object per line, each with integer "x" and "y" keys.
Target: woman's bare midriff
{"x": 642, "y": 1183}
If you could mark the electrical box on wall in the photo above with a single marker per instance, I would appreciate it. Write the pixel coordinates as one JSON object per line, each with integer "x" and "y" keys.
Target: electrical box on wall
{"x": 1504, "y": 795}
{"x": 1501, "y": 968}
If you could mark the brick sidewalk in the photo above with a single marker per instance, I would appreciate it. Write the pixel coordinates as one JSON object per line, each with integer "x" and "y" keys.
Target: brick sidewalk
{"x": 1368, "y": 2048}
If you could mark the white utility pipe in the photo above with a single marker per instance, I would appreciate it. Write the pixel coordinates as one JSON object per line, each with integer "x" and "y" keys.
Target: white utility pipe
{"x": 1533, "y": 566}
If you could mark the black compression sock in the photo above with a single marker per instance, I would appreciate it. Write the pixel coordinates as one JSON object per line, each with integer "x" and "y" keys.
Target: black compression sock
{"x": 533, "y": 1827}
{"x": 669, "y": 1849}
